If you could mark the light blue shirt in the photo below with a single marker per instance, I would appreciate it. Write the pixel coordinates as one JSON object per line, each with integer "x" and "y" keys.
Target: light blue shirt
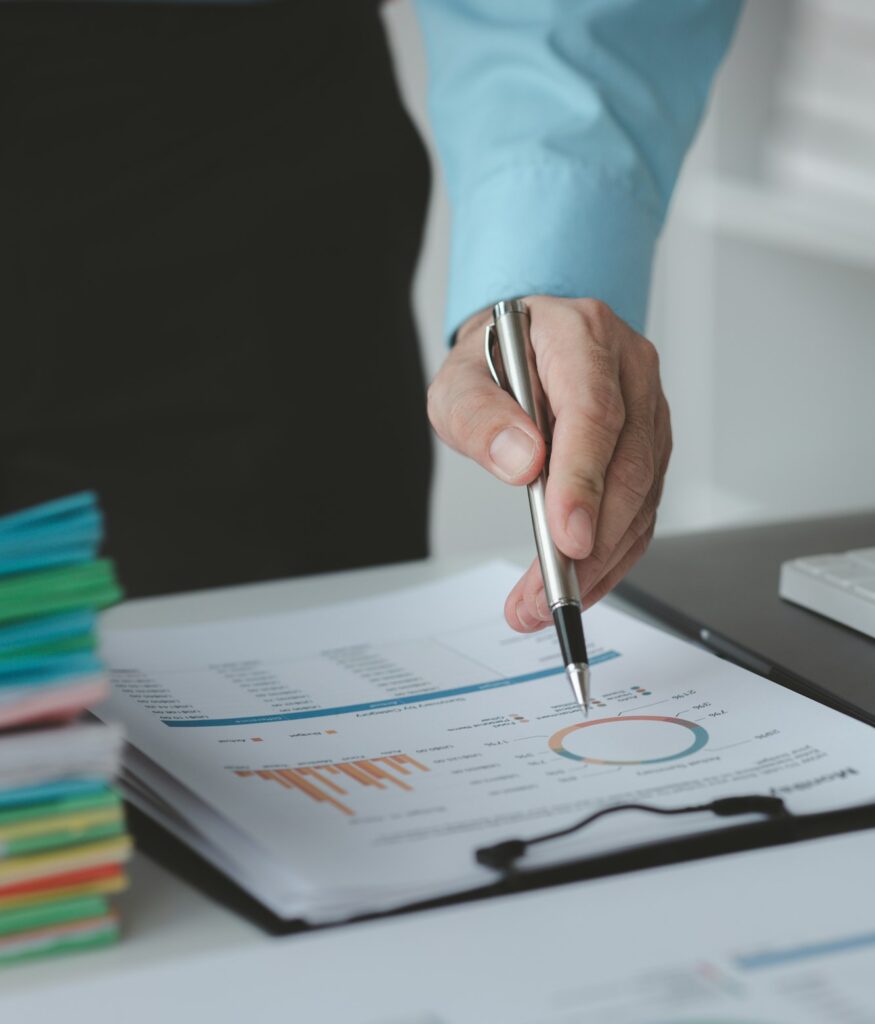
{"x": 561, "y": 126}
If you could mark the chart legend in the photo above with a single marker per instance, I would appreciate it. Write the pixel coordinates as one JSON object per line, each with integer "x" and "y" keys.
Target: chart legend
{"x": 324, "y": 783}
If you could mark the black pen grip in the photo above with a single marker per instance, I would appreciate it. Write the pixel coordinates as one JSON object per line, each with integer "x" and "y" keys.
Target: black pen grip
{"x": 569, "y": 628}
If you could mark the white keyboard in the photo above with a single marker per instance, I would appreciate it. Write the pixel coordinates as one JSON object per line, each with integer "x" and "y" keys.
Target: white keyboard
{"x": 840, "y": 587}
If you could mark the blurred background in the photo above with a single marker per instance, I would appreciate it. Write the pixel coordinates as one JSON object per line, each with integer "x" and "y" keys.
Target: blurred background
{"x": 763, "y": 298}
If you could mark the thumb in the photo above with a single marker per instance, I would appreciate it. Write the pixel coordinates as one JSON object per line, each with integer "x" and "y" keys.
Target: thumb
{"x": 471, "y": 414}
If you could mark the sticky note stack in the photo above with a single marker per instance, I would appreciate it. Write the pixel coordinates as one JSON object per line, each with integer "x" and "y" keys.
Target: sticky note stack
{"x": 63, "y": 843}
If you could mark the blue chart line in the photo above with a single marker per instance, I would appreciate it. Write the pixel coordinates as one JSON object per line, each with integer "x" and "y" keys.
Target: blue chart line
{"x": 375, "y": 705}
{"x": 811, "y": 951}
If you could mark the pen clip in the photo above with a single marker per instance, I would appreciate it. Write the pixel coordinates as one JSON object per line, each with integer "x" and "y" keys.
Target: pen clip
{"x": 490, "y": 348}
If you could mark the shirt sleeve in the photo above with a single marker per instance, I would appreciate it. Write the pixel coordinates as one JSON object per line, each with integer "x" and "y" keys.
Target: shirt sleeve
{"x": 561, "y": 126}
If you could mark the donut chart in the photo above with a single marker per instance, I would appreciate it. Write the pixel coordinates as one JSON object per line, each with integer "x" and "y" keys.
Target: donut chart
{"x": 661, "y": 739}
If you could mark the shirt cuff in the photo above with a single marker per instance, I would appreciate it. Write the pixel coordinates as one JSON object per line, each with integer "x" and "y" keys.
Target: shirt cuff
{"x": 551, "y": 228}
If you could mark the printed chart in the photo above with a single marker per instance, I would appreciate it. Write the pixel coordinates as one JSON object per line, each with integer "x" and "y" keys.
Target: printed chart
{"x": 435, "y": 730}
{"x": 655, "y": 739}
{"x": 324, "y": 783}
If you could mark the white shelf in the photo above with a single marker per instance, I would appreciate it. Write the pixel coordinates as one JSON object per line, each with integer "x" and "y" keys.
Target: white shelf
{"x": 818, "y": 224}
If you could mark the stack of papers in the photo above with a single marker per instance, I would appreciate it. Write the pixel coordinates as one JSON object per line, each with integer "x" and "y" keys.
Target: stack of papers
{"x": 62, "y": 832}
{"x": 347, "y": 760}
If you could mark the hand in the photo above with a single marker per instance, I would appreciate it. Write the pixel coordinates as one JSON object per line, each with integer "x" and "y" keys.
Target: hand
{"x": 611, "y": 439}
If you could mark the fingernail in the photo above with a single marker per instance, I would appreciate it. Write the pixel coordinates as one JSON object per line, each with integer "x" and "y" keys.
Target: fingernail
{"x": 522, "y": 613}
{"x": 512, "y": 452}
{"x": 541, "y": 606}
{"x": 579, "y": 527}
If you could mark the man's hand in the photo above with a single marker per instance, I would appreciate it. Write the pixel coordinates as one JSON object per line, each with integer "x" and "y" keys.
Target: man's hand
{"x": 611, "y": 439}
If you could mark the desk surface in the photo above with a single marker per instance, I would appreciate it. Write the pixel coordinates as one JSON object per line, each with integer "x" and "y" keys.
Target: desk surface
{"x": 164, "y": 919}
{"x": 727, "y": 582}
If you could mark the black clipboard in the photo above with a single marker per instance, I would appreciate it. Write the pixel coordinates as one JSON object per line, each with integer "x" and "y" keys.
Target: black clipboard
{"x": 181, "y": 860}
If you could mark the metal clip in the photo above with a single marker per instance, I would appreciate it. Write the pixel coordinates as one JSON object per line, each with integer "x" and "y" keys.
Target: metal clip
{"x": 490, "y": 341}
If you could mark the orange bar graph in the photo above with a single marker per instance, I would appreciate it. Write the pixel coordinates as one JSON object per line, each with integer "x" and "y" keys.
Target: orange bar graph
{"x": 354, "y": 772}
{"x": 380, "y": 773}
{"x": 314, "y": 782}
{"x": 315, "y": 773}
{"x": 407, "y": 759}
{"x": 295, "y": 780}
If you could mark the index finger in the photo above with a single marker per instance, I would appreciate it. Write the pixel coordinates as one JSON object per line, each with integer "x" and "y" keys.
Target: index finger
{"x": 629, "y": 478}
{"x": 581, "y": 375}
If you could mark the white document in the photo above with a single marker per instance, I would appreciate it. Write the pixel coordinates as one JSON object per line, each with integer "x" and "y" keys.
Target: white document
{"x": 350, "y": 759}
{"x": 778, "y": 936}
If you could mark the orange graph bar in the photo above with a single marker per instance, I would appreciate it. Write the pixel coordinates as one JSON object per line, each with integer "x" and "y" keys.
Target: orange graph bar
{"x": 354, "y": 772}
{"x": 316, "y": 771}
{"x": 314, "y": 792}
{"x": 274, "y": 775}
{"x": 407, "y": 759}
{"x": 380, "y": 773}
{"x": 317, "y": 794}
{"x": 311, "y": 780}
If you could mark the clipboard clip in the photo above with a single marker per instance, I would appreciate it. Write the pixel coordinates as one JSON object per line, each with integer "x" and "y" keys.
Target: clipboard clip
{"x": 504, "y": 856}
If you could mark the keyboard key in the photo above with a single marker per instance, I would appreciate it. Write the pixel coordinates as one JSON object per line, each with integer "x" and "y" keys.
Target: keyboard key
{"x": 866, "y": 588}
{"x": 818, "y": 565}
{"x": 866, "y": 556}
{"x": 848, "y": 573}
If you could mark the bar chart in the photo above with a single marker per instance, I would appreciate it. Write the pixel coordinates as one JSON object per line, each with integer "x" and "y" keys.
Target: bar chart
{"x": 325, "y": 783}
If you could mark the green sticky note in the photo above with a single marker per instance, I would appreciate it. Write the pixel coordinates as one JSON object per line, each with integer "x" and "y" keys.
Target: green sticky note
{"x": 90, "y": 585}
{"x": 104, "y": 797}
{"x": 43, "y": 915}
{"x": 103, "y": 934}
{"x": 63, "y": 645}
{"x": 63, "y": 837}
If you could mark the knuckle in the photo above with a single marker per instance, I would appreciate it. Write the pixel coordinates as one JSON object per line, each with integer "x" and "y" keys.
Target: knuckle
{"x": 648, "y": 356}
{"x": 597, "y": 562}
{"x": 604, "y": 407}
{"x": 586, "y": 481}
{"x": 666, "y": 458}
{"x": 659, "y": 486}
{"x": 603, "y": 366}
{"x": 597, "y": 316}
{"x": 634, "y": 473}
{"x": 664, "y": 415}
{"x": 443, "y": 408}
{"x": 640, "y": 420}
{"x": 643, "y": 524}
{"x": 455, "y": 415}
{"x": 472, "y": 421}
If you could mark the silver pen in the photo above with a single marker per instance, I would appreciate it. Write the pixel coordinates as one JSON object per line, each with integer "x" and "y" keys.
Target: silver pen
{"x": 507, "y": 338}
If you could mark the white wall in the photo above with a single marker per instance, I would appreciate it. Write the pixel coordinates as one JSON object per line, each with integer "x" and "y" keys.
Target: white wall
{"x": 762, "y": 308}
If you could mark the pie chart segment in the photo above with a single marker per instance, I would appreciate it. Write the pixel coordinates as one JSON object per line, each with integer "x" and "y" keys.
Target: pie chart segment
{"x": 630, "y": 740}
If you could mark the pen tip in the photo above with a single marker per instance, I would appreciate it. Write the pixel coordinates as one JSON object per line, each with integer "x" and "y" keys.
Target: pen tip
{"x": 578, "y": 676}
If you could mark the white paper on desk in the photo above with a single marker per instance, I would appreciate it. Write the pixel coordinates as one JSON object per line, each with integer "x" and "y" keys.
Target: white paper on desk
{"x": 397, "y": 734}
{"x": 784, "y": 935}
